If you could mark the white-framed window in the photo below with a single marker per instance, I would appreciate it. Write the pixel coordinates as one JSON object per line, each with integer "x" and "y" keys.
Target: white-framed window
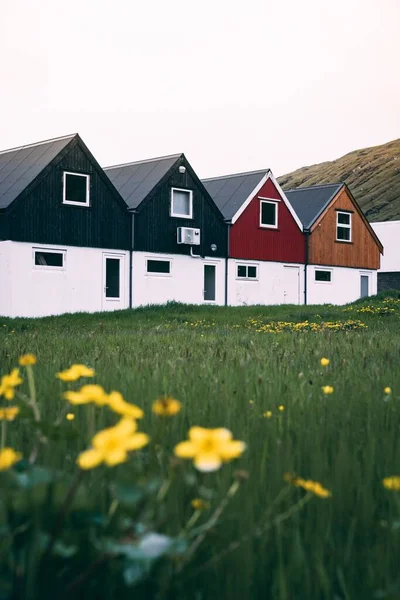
{"x": 158, "y": 266}
{"x": 247, "y": 272}
{"x": 343, "y": 226}
{"x": 181, "y": 203}
{"x": 323, "y": 275}
{"x": 76, "y": 189}
{"x": 43, "y": 258}
{"x": 269, "y": 214}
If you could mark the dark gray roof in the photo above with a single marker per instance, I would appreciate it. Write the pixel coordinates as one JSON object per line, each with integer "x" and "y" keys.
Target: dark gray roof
{"x": 20, "y": 166}
{"x": 134, "y": 181}
{"x": 230, "y": 191}
{"x": 310, "y": 202}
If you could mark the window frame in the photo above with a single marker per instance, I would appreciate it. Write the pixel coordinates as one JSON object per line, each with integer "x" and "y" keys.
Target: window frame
{"x": 49, "y": 251}
{"x": 268, "y": 201}
{"x": 246, "y": 265}
{"x": 324, "y": 271}
{"x": 179, "y": 215}
{"x": 154, "y": 273}
{"x": 72, "y": 202}
{"x": 344, "y": 226}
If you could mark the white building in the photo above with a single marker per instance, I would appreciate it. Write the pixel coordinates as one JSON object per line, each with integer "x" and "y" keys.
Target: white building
{"x": 389, "y": 273}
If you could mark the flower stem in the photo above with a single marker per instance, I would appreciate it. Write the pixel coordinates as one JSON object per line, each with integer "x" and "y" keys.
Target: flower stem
{"x": 32, "y": 393}
{"x": 3, "y": 434}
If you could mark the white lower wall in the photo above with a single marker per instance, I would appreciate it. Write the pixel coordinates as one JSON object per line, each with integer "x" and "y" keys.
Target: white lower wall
{"x": 276, "y": 283}
{"x": 389, "y": 234}
{"x": 345, "y": 285}
{"x": 31, "y": 291}
{"x": 185, "y": 283}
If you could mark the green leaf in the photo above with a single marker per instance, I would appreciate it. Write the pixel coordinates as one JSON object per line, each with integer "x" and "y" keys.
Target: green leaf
{"x": 135, "y": 572}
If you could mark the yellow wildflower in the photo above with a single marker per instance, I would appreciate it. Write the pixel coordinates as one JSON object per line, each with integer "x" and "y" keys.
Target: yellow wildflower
{"x": 327, "y": 389}
{"x": 112, "y": 445}
{"x": 87, "y": 394}
{"x": 199, "y": 504}
{"x": 281, "y": 408}
{"x": 268, "y": 414}
{"x": 8, "y": 457}
{"x": 388, "y": 390}
{"x": 209, "y": 448}
{"x": 324, "y": 362}
{"x": 307, "y": 484}
{"x": 117, "y": 403}
{"x": 8, "y": 383}
{"x": 75, "y": 372}
{"x": 166, "y": 406}
{"x": 8, "y": 414}
{"x": 251, "y": 401}
{"x": 70, "y": 416}
{"x": 27, "y": 359}
{"x": 392, "y": 483}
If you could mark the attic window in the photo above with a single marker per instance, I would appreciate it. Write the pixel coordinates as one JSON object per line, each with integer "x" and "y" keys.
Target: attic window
{"x": 76, "y": 189}
{"x": 268, "y": 214}
{"x": 343, "y": 226}
{"x": 181, "y": 203}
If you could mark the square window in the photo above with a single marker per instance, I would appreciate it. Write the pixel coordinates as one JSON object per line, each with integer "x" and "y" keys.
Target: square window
{"x": 242, "y": 271}
{"x": 181, "y": 203}
{"x": 161, "y": 267}
{"x": 325, "y": 276}
{"x": 268, "y": 214}
{"x": 42, "y": 258}
{"x": 343, "y": 226}
{"x": 76, "y": 189}
{"x": 344, "y": 218}
{"x": 252, "y": 272}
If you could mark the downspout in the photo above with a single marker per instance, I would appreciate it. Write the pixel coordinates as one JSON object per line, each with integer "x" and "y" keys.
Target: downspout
{"x": 131, "y": 258}
{"x": 227, "y": 261}
{"x": 306, "y": 233}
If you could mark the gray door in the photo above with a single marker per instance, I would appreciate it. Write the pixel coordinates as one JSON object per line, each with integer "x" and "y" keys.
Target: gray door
{"x": 209, "y": 283}
{"x": 364, "y": 286}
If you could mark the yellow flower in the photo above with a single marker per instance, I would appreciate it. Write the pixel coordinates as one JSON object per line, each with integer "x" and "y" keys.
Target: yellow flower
{"x": 388, "y": 390}
{"x": 111, "y": 445}
{"x": 117, "y": 403}
{"x": 87, "y": 394}
{"x": 209, "y": 448}
{"x": 307, "y": 484}
{"x": 8, "y": 383}
{"x": 327, "y": 389}
{"x": 8, "y": 414}
{"x": 392, "y": 483}
{"x": 166, "y": 406}
{"x": 200, "y": 504}
{"x": 281, "y": 407}
{"x": 75, "y": 372}
{"x": 324, "y": 362}
{"x": 70, "y": 416}
{"x": 27, "y": 359}
{"x": 8, "y": 457}
{"x": 251, "y": 401}
{"x": 268, "y": 414}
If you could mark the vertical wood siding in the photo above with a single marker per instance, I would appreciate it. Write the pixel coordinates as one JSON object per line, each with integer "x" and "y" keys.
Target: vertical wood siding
{"x": 249, "y": 240}
{"x": 362, "y": 252}
{"x": 39, "y": 215}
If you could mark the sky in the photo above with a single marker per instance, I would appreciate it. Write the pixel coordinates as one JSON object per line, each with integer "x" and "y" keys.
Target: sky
{"x": 235, "y": 85}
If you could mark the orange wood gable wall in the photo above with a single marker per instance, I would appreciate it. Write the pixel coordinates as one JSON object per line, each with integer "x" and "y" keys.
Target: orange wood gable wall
{"x": 362, "y": 252}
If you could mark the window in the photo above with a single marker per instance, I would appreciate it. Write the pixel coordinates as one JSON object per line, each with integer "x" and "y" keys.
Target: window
{"x": 181, "y": 203}
{"x": 76, "y": 189}
{"x": 343, "y": 227}
{"x": 324, "y": 276}
{"x": 268, "y": 213}
{"x": 160, "y": 267}
{"x": 246, "y": 272}
{"x": 51, "y": 259}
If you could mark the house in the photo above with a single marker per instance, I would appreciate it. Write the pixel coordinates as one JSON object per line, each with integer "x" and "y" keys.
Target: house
{"x": 342, "y": 250}
{"x": 179, "y": 237}
{"x": 266, "y": 242}
{"x": 389, "y": 273}
{"x": 65, "y": 232}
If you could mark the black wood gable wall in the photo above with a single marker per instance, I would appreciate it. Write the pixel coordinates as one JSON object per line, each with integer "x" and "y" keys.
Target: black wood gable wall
{"x": 156, "y": 231}
{"x": 38, "y": 214}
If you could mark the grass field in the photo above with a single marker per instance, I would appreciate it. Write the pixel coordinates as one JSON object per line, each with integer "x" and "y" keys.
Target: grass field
{"x": 228, "y": 367}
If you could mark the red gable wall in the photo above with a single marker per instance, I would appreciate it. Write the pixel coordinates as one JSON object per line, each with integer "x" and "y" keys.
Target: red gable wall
{"x": 249, "y": 240}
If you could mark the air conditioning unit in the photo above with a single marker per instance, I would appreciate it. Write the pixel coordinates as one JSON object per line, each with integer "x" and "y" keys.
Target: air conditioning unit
{"x": 188, "y": 235}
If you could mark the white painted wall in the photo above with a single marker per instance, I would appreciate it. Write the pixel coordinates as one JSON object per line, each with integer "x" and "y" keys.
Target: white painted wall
{"x": 29, "y": 291}
{"x": 345, "y": 285}
{"x": 277, "y": 283}
{"x": 185, "y": 283}
{"x": 389, "y": 234}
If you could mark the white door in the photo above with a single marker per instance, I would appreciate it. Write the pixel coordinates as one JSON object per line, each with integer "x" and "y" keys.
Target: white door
{"x": 291, "y": 285}
{"x": 113, "y": 281}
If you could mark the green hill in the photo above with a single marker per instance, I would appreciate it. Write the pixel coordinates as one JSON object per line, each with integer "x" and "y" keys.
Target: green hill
{"x": 372, "y": 174}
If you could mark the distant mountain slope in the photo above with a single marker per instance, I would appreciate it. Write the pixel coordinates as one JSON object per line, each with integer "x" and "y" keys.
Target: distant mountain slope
{"x": 372, "y": 174}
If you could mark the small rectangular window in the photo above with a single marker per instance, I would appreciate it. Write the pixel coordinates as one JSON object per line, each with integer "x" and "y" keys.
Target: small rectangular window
{"x": 343, "y": 227}
{"x": 76, "y": 189}
{"x": 268, "y": 214}
{"x": 323, "y": 276}
{"x": 246, "y": 272}
{"x": 181, "y": 203}
{"x": 49, "y": 259}
{"x": 162, "y": 267}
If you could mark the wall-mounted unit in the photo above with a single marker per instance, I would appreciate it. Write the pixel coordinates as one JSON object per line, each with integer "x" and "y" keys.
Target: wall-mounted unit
{"x": 188, "y": 235}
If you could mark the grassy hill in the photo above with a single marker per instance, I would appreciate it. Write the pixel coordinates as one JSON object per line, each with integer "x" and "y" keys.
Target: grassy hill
{"x": 372, "y": 174}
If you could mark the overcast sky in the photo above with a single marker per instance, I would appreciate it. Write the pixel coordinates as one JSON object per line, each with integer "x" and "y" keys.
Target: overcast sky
{"x": 235, "y": 85}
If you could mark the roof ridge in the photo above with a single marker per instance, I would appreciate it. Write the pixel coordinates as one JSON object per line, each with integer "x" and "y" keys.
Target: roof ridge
{"x": 147, "y": 160}
{"x": 313, "y": 187}
{"x": 56, "y": 139}
{"x": 237, "y": 174}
